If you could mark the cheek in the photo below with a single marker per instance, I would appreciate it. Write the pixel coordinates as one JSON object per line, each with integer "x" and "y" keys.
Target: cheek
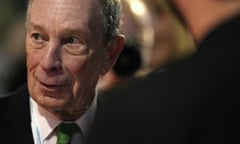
{"x": 84, "y": 70}
{"x": 33, "y": 58}
{"x": 76, "y": 67}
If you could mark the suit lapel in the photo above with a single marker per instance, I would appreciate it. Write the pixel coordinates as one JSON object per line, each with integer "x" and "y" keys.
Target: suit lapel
{"x": 18, "y": 118}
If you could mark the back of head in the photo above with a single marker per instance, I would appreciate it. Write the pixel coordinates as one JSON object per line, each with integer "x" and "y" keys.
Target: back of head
{"x": 172, "y": 40}
{"x": 201, "y": 16}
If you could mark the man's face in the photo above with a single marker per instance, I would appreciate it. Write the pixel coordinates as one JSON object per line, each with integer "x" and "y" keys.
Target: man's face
{"x": 65, "y": 54}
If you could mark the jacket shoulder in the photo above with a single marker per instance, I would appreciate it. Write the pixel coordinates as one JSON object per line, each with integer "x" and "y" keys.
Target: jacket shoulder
{"x": 4, "y": 102}
{"x": 5, "y": 99}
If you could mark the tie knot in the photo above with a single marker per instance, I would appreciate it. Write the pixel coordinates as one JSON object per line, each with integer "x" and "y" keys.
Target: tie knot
{"x": 65, "y": 132}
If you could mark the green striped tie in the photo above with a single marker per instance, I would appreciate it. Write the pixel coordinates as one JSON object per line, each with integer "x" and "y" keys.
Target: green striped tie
{"x": 65, "y": 132}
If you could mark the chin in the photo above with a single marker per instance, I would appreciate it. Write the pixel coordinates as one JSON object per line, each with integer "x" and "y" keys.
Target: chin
{"x": 51, "y": 102}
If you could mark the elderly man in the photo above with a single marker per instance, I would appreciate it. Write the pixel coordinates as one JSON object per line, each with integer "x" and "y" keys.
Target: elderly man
{"x": 69, "y": 44}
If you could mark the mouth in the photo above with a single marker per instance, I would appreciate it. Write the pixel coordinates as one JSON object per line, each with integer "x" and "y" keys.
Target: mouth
{"x": 48, "y": 85}
{"x": 52, "y": 85}
{"x": 51, "y": 88}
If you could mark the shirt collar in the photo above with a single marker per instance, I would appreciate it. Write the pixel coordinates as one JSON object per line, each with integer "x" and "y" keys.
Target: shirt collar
{"x": 47, "y": 122}
{"x": 86, "y": 120}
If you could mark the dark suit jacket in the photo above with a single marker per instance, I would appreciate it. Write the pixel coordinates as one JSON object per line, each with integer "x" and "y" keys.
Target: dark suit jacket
{"x": 15, "y": 118}
{"x": 15, "y": 123}
{"x": 194, "y": 101}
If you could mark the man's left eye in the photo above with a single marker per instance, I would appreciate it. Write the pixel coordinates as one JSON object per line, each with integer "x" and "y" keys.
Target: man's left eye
{"x": 69, "y": 40}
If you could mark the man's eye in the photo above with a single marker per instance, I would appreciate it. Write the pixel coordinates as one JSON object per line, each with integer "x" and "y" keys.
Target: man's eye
{"x": 74, "y": 46}
{"x": 37, "y": 37}
{"x": 70, "y": 40}
{"x": 36, "y": 40}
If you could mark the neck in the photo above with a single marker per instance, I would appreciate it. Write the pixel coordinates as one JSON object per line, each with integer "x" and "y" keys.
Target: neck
{"x": 67, "y": 115}
{"x": 59, "y": 115}
{"x": 201, "y": 16}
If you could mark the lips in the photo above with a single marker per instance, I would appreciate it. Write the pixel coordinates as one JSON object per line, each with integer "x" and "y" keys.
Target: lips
{"x": 52, "y": 89}
{"x": 53, "y": 82}
{"x": 52, "y": 85}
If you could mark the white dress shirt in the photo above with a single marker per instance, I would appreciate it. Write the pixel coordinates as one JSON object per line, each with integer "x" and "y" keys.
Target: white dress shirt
{"x": 44, "y": 123}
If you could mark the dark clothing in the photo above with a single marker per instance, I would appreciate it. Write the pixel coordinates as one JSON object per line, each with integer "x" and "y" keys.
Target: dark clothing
{"x": 15, "y": 123}
{"x": 192, "y": 102}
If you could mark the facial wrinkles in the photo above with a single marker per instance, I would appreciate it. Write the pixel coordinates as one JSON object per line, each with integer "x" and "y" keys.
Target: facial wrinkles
{"x": 60, "y": 14}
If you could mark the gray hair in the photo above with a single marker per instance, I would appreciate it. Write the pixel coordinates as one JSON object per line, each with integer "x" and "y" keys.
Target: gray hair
{"x": 111, "y": 16}
{"x": 110, "y": 13}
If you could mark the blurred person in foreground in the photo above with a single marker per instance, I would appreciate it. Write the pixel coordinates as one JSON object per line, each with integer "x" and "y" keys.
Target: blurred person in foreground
{"x": 69, "y": 44}
{"x": 194, "y": 101}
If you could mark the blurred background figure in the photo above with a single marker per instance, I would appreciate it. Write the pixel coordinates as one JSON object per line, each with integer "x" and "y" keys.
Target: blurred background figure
{"x": 172, "y": 41}
{"x": 128, "y": 63}
{"x": 156, "y": 35}
{"x": 12, "y": 59}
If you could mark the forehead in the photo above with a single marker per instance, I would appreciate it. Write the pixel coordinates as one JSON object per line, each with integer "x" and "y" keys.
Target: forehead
{"x": 63, "y": 11}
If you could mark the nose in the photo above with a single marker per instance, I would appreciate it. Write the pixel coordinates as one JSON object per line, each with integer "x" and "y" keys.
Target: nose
{"x": 51, "y": 62}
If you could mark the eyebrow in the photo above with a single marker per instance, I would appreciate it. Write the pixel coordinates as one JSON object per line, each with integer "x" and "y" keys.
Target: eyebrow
{"x": 75, "y": 31}
{"x": 31, "y": 25}
{"x": 67, "y": 31}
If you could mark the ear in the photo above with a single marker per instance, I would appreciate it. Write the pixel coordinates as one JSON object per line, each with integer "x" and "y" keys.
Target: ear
{"x": 113, "y": 52}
